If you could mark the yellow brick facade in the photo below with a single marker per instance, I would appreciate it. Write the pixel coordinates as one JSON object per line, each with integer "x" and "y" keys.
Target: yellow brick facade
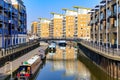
{"x": 44, "y": 28}
{"x": 70, "y": 24}
{"x": 34, "y": 27}
{"x": 83, "y": 28}
{"x": 58, "y": 28}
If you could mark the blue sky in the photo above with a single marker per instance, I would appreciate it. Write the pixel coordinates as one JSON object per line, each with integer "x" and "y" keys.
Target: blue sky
{"x": 42, "y": 8}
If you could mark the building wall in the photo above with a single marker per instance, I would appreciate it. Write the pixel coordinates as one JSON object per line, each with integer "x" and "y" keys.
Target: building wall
{"x": 58, "y": 28}
{"x": 44, "y": 29}
{"x": 108, "y": 27}
{"x": 34, "y": 26}
{"x": 83, "y": 29}
{"x": 22, "y": 20}
{"x": 70, "y": 24}
{"x": 9, "y": 22}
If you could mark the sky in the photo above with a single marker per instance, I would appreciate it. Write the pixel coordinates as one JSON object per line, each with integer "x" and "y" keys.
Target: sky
{"x": 42, "y": 8}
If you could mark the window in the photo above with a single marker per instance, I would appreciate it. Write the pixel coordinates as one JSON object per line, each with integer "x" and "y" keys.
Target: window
{"x": 115, "y": 8}
{"x": 101, "y": 27}
{"x": 115, "y": 23}
{"x": 108, "y": 12}
{"x": 101, "y": 16}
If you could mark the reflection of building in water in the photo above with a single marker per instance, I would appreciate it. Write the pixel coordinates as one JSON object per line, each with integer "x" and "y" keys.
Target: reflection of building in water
{"x": 83, "y": 72}
{"x": 58, "y": 55}
{"x": 69, "y": 53}
{"x": 71, "y": 67}
{"x": 58, "y": 65}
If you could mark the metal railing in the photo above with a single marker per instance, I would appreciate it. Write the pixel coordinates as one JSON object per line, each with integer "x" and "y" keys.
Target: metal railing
{"x": 16, "y": 48}
{"x": 102, "y": 48}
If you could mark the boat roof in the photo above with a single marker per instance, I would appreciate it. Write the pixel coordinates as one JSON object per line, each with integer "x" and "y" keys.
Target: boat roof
{"x": 31, "y": 60}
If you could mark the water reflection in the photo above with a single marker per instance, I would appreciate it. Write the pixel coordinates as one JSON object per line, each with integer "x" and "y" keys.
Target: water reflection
{"x": 63, "y": 53}
{"x": 62, "y": 64}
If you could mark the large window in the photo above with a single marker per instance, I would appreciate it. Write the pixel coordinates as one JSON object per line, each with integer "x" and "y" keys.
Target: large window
{"x": 108, "y": 12}
{"x": 115, "y": 9}
{"x": 101, "y": 16}
{"x": 101, "y": 26}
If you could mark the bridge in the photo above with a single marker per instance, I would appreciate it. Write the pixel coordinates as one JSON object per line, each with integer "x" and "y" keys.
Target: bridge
{"x": 55, "y": 39}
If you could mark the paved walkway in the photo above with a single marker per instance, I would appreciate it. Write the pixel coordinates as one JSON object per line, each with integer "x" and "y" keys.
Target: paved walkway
{"x": 5, "y": 70}
{"x": 109, "y": 56}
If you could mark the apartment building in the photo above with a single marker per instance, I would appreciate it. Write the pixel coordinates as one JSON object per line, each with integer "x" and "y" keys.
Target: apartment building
{"x": 43, "y": 28}
{"x": 34, "y": 26}
{"x": 12, "y": 23}
{"x": 104, "y": 27}
{"x": 57, "y": 25}
{"x": 70, "y": 26}
{"x": 22, "y": 21}
{"x": 8, "y": 24}
{"x": 83, "y": 18}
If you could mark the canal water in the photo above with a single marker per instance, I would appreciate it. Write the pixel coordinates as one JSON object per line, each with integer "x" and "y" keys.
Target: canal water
{"x": 65, "y": 63}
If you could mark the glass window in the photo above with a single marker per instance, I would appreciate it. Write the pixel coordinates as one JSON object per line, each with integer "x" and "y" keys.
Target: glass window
{"x": 119, "y": 9}
{"x": 115, "y": 23}
{"x": 115, "y": 8}
{"x": 108, "y": 12}
{"x": 101, "y": 26}
{"x": 101, "y": 16}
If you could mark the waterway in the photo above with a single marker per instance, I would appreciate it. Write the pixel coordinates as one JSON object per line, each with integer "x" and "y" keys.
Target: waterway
{"x": 65, "y": 63}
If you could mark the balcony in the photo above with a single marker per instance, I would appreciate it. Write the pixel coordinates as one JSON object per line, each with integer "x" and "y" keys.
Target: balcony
{"x": 6, "y": 6}
{"x": 0, "y": 31}
{"x": 92, "y": 22}
{"x": 5, "y": 19}
{"x": 6, "y": 31}
{"x": 113, "y": 15}
{"x": 103, "y": 19}
{"x": 1, "y": 3}
{"x": 1, "y": 17}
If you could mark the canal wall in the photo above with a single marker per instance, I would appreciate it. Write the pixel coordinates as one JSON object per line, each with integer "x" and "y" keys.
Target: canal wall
{"x": 17, "y": 51}
{"x": 108, "y": 64}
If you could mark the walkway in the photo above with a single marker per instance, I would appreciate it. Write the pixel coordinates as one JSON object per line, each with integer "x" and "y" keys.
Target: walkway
{"x": 5, "y": 70}
{"x": 106, "y": 52}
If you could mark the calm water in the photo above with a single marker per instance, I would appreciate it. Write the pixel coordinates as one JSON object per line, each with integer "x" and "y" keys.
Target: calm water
{"x": 65, "y": 64}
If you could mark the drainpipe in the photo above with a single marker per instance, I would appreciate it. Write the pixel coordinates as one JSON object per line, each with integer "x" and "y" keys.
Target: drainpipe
{"x": 117, "y": 26}
{"x": 3, "y": 42}
{"x": 106, "y": 25}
